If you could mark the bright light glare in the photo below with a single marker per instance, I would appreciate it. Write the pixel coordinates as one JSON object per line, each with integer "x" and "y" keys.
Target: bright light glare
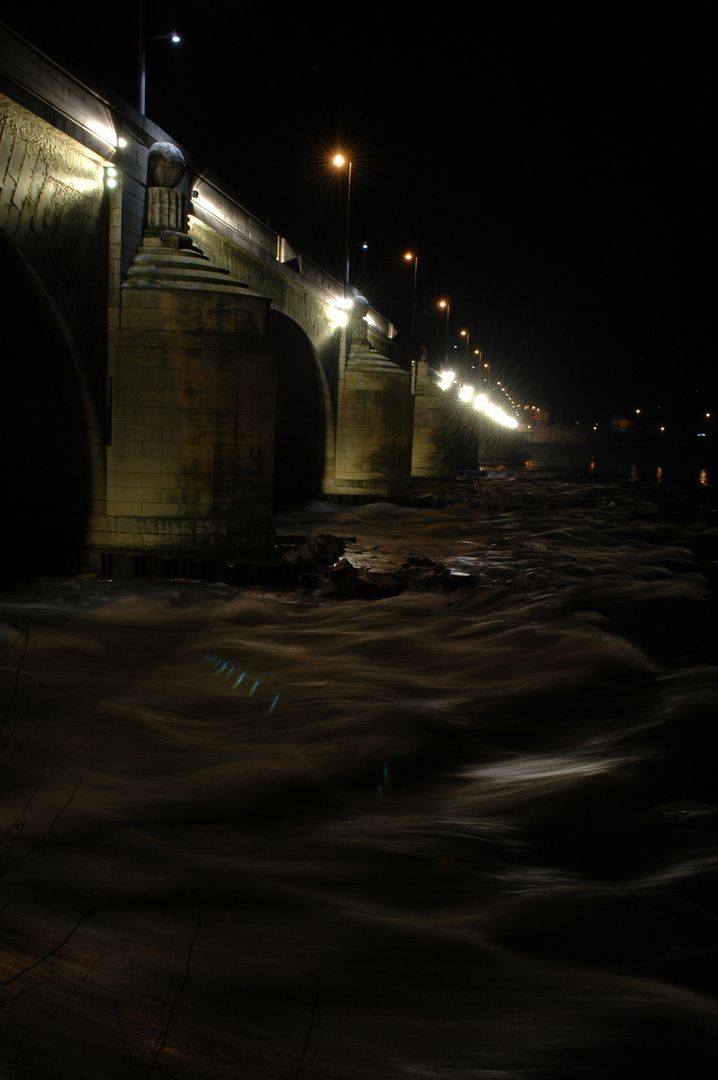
{"x": 200, "y": 200}
{"x": 337, "y": 317}
{"x": 339, "y": 160}
{"x": 482, "y": 404}
{"x": 103, "y": 132}
{"x": 86, "y": 185}
{"x": 500, "y": 417}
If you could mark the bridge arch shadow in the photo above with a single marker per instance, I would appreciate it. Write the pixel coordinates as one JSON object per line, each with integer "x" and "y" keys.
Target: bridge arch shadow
{"x": 50, "y": 451}
{"x": 303, "y": 415}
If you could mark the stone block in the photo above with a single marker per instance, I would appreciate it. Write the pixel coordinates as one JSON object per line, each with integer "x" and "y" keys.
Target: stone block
{"x": 128, "y": 512}
{"x": 126, "y": 414}
{"x": 170, "y": 435}
{"x": 158, "y": 508}
{"x": 152, "y": 450}
{"x": 127, "y": 455}
{"x": 156, "y": 417}
{"x": 171, "y": 462}
{"x": 128, "y": 399}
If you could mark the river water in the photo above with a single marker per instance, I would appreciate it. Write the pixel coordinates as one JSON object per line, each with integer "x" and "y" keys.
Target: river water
{"x": 441, "y": 835}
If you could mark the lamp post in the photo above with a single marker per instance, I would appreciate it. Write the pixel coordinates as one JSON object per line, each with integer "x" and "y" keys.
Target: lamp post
{"x": 339, "y": 161}
{"x": 409, "y": 257}
{"x": 141, "y": 67}
{"x": 447, "y": 305}
{"x": 465, "y": 334}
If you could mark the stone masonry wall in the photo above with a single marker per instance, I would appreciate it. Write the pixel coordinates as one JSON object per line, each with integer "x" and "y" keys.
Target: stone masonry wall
{"x": 55, "y": 209}
{"x": 191, "y": 460}
{"x": 373, "y": 455}
{"x": 434, "y": 448}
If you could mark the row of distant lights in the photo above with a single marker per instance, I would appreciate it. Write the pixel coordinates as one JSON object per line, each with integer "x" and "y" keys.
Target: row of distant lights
{"x": 480, "y": 401}
{"x": 338, "y": 316}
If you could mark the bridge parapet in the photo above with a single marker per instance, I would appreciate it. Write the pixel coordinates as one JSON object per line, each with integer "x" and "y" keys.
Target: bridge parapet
{"x": 220, "y": 211}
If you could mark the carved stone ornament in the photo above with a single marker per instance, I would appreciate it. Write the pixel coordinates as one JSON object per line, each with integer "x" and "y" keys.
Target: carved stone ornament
{"x": 359, "y": 324}
{"x": 166, "y": 165}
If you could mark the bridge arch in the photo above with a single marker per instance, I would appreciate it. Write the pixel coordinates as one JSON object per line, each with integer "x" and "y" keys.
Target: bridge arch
{"x": 304, "y": 426}
{"x": 51, "y": 452}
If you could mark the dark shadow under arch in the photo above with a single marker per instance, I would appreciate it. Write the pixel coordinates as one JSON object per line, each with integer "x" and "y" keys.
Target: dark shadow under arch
{"x": 48, "y": 432}
{"x": 301, "y": 421}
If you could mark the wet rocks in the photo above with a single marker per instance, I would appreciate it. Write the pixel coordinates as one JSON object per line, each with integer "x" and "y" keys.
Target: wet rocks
{"x": 322, "y": 567}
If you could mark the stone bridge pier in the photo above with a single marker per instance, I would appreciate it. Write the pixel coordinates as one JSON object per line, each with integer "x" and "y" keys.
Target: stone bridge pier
{"x": 193, "y": 383}
{"x": 375, "y": 414}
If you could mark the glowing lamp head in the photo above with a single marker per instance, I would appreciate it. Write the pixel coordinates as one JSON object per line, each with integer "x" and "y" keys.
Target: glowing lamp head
{"x": 337, "y": 317}
{"x": 338, "y": 160}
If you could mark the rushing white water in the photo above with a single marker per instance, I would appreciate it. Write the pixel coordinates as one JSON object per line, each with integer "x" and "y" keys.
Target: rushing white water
{"x": 436, "y": 836}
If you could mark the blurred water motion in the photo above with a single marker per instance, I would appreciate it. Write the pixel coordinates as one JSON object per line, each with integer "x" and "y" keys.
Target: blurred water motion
{"x": 485, "y": 820}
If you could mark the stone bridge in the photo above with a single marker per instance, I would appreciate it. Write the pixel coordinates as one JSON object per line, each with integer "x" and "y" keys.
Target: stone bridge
{"x": 171, "y": 368}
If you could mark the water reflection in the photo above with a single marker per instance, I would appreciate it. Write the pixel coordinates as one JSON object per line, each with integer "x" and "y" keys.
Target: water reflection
{"x": 665, "y": 470}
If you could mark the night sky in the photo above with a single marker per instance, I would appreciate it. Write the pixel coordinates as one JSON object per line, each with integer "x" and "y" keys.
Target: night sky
{"x": 550, "y": 170}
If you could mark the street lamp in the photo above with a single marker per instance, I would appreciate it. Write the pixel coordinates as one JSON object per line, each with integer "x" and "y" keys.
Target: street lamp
{"x": 465, "y": 334}
{"x": 173, "y": 36}
{"x": 409, "y": 257}
{"x": 447, "y": 305}
{"x": 339, "y": 161}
